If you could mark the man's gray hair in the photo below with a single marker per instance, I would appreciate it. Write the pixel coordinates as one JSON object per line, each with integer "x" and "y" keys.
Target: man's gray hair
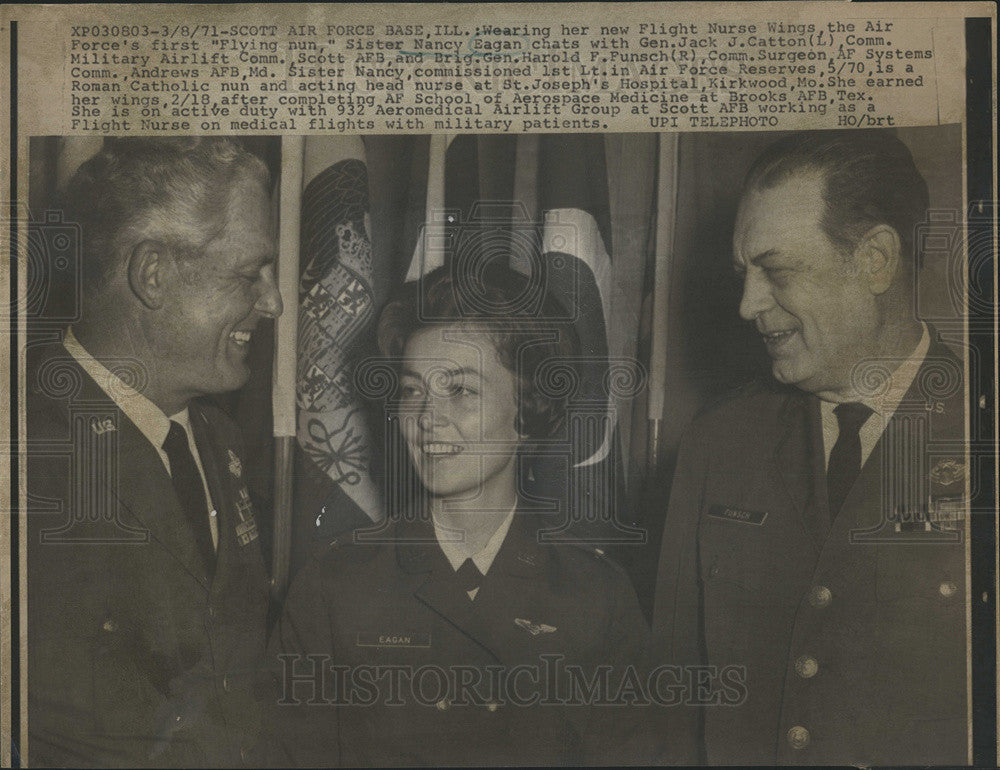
{"x": 175, "y": 190}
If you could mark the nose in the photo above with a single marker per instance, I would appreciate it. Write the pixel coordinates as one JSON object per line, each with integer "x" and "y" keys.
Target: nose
{"x": 431, "y": 414}
{"x": 756, "y": 295}
{"x": 269, "y": 298}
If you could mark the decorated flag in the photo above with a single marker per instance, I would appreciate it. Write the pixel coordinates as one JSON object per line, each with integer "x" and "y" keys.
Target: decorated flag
{"x": 335, "y": 489}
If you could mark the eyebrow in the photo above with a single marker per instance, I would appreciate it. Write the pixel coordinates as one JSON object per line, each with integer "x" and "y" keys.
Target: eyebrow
{"x": 460, "y": 372}
{"x": 755, "y": 260}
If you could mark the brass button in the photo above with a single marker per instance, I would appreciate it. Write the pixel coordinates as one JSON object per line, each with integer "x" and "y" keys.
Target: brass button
{"x": 442, "y": 705}
{"x": 947, "y": 589}
{"x": 806, "y": 667}
{"x": 820, "y": 596}
{"x": 713, "y": 570}
{"x": 492, "y": 707}
{"x": 798, "y": 737}
{"x": 110, "y": 626}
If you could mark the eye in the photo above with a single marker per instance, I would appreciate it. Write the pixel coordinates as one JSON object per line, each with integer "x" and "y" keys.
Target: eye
{"x": 409, "y": 391}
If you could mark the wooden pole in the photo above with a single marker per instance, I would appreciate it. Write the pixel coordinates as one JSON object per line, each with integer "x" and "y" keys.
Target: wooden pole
{"x": 666, "y": 217}
{"x": 285, "y": 354}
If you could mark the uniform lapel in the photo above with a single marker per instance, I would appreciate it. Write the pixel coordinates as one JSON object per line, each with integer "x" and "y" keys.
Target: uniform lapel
{"x": 511, "y": 589}
{"x": 897, "y": 462}
{"x": 222, "y": 501}
{"x": 142, "y": 485}
{"x": 798, "y": 463}
{"x": 418, "y": 553}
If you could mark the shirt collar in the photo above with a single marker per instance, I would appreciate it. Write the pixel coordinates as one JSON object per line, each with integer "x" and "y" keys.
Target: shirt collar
{"x": 888, "y": 400}
{"x": 485, "y": 557}
{"x": 144, "y": 414}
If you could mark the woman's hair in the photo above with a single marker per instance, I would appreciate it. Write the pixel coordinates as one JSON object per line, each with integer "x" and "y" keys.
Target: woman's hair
{"x": 524, "y": 324}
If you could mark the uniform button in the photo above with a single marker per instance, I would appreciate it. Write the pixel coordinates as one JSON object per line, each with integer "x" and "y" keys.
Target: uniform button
{"x": 225, "y": 683}
{"x": 714, "y": 570}
{"x": 211, "y": 611}
{"x": 110, "y": 626}
{"x": 442, "y": 705}
{"x": 820, "y": 596}
{"x": 806, "y": 667}
{"x": 798, "y": 737}
{"x": 492, "y": 707}
{"x": 947, "y": 589}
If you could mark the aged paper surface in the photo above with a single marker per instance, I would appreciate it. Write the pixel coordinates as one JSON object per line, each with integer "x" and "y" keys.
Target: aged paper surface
{"x": 757, "y": 587}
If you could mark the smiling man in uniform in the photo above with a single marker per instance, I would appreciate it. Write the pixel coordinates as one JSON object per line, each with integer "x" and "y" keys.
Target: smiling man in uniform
{"x": 147, "y": 593}
{"x": 814, "y": 534}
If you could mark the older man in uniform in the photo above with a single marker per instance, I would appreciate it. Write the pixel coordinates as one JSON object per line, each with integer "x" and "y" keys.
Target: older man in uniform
{"x": 147, "y": 593}
{"x": 815, "y": 529}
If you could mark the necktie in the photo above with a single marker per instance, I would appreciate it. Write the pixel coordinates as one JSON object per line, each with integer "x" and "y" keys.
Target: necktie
{"x": 190, "y": 491}
{"x": 468, "y": 576}
{"x": 845, "y": 459}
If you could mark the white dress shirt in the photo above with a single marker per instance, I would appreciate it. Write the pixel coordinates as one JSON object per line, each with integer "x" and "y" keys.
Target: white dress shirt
{"x": 144, "y": 414}
{"x": 451, "y": 543}
{"x": 883, "y": 405}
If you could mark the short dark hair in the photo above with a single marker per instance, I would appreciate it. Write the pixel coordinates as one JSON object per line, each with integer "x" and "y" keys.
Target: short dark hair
{"x": 870, "y": 179}
{"x": 174, "y": 189}
{"x": 524, "y": 334}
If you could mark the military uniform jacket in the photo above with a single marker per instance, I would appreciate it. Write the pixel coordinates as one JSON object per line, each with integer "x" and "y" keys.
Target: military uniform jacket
{"x": 364, "y": 610}
{"x": 136, "y": 656}
{"x": 846, "y": 644}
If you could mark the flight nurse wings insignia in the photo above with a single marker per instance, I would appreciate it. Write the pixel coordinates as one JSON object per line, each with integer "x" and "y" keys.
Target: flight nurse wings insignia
{"x": 534, "y": 628}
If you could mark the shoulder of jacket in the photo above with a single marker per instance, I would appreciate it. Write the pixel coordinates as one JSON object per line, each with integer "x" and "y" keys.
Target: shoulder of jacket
{"x": 754, "y": 400}
{"x": 344, "y": 549}
{"x": 586, "y": 555}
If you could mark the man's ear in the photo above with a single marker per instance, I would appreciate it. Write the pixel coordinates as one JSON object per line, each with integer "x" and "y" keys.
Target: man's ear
{"x": 147, "y": 270}
{"x": 878, "y": 255}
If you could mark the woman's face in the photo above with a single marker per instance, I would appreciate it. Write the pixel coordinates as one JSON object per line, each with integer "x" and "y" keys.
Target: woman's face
{"x": 458, "y": 414}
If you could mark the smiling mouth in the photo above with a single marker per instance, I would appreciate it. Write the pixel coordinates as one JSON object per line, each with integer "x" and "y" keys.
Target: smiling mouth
{"x": 240, "y": 337}
{"x": 776, "y": 337}
{"x": 440, "y": 449}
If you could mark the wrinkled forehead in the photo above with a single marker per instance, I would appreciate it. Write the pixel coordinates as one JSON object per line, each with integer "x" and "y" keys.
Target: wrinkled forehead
{"x": 247, "y": 220}
{"x": 780, "y": 216}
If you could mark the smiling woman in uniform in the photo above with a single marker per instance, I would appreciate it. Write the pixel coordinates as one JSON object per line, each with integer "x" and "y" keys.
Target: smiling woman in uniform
{"x": 446, "y": 637}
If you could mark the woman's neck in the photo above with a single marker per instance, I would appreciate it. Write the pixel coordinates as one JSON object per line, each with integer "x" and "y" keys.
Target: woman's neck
{"x": 477, "y": 519}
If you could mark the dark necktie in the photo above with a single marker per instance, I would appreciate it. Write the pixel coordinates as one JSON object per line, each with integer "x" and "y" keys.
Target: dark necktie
{"x": 190, "y": 490}
{"x": 468, "y": 576}
{"x": 845, "y": 459}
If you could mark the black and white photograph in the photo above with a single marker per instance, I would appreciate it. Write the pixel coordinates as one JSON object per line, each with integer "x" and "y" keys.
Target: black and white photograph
{"x": 504, "y": 448}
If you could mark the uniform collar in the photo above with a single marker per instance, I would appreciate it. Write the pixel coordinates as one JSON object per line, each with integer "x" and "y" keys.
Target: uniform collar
{"x": 518, "y": 552}
{"x": 885, "y": 402}
{"x": 484, "y": 558}
{"x": 144, "y": 414}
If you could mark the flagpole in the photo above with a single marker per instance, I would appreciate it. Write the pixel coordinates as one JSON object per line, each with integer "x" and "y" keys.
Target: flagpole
{"x": 285, "y": 348}
{"x": 666, "y": 216}
{"x": 430, "y": 245}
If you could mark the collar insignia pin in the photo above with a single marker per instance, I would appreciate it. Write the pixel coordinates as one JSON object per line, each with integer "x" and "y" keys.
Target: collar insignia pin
{"x": 100, "y": 426}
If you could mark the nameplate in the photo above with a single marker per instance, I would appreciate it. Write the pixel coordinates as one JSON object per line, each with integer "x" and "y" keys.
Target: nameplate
{"x": 393, "y": 640}
{"x": 738, "y": 515}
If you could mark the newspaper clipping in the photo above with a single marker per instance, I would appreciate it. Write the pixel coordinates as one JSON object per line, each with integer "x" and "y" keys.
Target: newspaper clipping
{"x": 499, "y": 384}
